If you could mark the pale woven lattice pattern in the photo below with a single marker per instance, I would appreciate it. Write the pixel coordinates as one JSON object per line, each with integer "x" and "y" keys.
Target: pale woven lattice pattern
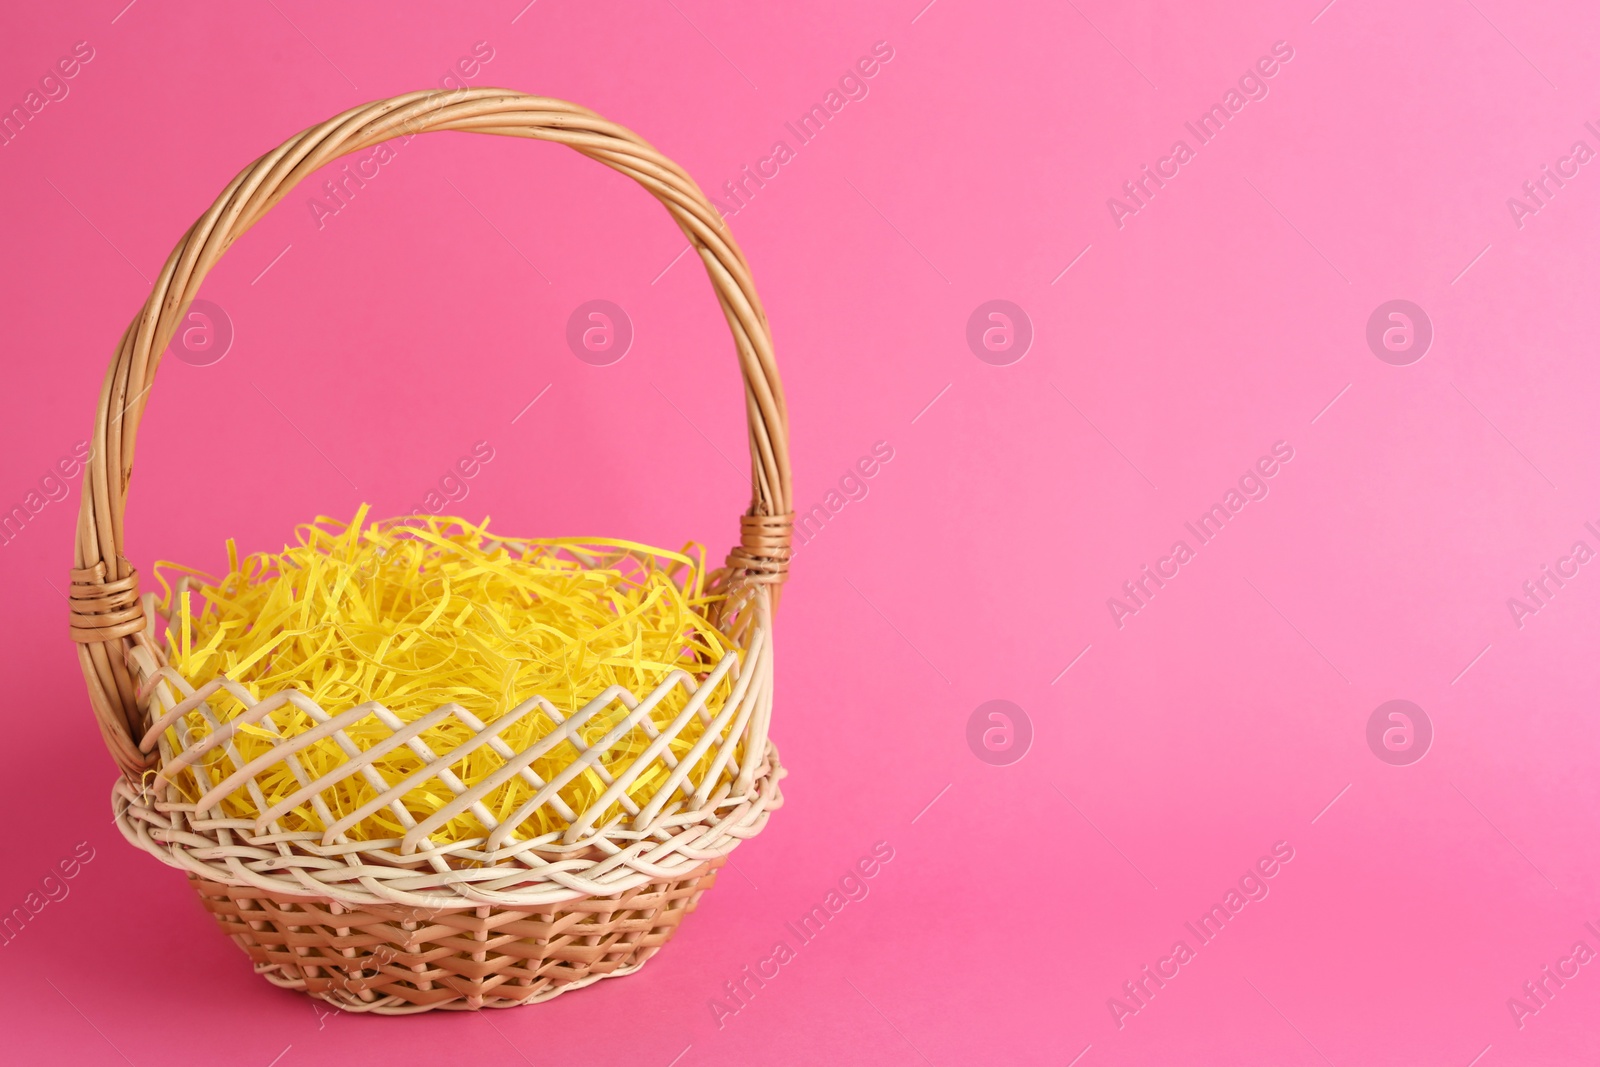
{"x": 410, "y": 616}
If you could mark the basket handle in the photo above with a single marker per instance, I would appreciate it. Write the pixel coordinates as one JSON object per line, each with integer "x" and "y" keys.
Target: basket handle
{"x": 106, "y": 612}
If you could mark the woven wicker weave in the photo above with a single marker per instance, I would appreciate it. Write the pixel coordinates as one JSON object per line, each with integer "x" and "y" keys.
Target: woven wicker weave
{"x": 407, "y": 924}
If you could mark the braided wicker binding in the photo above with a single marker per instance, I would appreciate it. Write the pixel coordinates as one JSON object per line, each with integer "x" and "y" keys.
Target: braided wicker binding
{"x": 408, "y": 924}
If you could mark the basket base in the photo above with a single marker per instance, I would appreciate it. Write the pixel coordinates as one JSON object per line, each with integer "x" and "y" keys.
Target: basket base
{"x": 392, "y": 960}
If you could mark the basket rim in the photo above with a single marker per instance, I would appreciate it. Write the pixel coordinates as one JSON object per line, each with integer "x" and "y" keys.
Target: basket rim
{"x": 225, "y": 851}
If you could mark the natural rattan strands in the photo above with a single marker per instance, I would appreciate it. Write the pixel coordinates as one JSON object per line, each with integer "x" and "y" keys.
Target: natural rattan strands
{"x": 413, "y": 923}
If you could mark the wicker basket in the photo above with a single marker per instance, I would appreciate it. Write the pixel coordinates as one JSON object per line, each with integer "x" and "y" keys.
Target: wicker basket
{"x": 407, "y": 925}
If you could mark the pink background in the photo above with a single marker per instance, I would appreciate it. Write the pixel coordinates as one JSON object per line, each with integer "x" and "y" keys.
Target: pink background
{"x": 1223, "y": 317}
